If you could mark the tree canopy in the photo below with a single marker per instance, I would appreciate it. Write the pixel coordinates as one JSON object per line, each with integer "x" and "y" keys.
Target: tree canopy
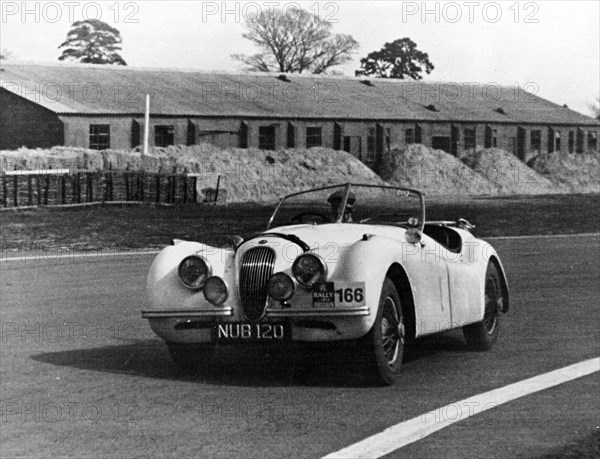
{"x": 398, "y": 59}
{"x": 295, "y": 41}
{"x": 92, "y": 42}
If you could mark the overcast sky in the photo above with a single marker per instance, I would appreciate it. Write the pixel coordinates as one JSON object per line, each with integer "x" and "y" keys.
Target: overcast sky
{"x": 550, "y": 47}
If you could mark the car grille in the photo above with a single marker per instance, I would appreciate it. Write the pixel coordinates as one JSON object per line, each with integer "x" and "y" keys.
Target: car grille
{"x": 255, "y": 271}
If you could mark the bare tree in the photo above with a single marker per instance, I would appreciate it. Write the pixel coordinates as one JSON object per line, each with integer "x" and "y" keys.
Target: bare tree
{"x": 295, "y": 41}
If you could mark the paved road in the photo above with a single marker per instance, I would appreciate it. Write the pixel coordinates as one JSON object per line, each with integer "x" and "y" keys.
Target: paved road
{"x": 83, "y": 375}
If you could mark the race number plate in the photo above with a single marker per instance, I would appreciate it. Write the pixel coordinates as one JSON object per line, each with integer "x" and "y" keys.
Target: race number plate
{"x": 245, "y": 332}
{"x": 338, "y": 294}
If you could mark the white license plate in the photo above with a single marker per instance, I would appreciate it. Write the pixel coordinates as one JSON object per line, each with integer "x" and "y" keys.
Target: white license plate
{"x": 251, "y": 332}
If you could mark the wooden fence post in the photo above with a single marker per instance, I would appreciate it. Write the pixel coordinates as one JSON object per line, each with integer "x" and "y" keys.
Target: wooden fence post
{"x": 29, "y": 191}
{"x": 38, "y": 185}
{"x": 4, "y": 191}
{"x": 15, "y": 191}
{"x": 109, "y": 185}
{"x": 157, "y": 179}
{"x": 78, "y": 188}
{"x": 63, "y": 190}
{"x": 46, "y": 189}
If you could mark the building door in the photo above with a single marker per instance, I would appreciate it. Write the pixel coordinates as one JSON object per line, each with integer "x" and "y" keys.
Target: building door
{"x": 352, "y": 144}
{"x": 487, "y": 142}
{"x": 440, "y": 143}
{"x": 454, "y": 140}
{"x": 521, "y": 139}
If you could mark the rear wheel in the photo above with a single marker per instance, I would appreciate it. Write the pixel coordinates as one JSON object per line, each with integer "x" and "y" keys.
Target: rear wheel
{"x": 481, "y": 336}
{"x": 385, "y": 342}
{"x": 192, "y": 358}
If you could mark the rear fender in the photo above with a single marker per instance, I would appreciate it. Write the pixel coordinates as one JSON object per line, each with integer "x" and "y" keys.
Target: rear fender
{"x": 505, "y": 292}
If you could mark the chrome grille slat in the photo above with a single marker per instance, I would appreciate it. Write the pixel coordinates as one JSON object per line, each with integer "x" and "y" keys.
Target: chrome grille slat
{"x": 255, "y": 270}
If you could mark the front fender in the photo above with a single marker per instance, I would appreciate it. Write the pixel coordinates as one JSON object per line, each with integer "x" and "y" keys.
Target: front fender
{"x": 369, "y": 260}
{"x": 163, "y": 287}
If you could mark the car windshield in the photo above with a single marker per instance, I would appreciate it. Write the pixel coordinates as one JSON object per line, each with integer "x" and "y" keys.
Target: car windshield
{"x": 351, "y": 203}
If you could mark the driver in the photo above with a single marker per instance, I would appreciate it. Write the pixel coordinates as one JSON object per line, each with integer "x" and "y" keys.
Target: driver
{"x": 336, "y": 203}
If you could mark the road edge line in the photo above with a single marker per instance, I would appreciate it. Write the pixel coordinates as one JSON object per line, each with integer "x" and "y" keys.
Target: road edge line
{"x": 415, "y": 429}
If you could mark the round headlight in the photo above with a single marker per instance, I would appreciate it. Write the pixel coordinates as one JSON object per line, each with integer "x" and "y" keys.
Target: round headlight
{"x": 309, "y": 269}
{"x": 281, "y": 287}
{"x": 215, "y": 290}
{"x": 193, "y": 272}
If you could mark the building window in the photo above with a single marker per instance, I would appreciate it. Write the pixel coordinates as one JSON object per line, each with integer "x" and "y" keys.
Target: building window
{"x": 494, "y": 138}
{"x": 571, "y": 142}
{"x": 536, "y": 141}
{"x": 592, "y": 141}
{"x": 164, "y": 135}
{"x": 470, "y": 139}
{"x": 313, "y": 137}
{"x": 99, "y": 136}
{"x": 266, "y": 137}
{"x": 557, "y": 141}
{"x": 409, "y": 136}
{"x": 512, "y": 141}
{"x": 371, "y": 145}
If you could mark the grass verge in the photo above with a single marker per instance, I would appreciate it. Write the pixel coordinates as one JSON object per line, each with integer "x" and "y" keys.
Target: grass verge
{"x": 148, "y": 226}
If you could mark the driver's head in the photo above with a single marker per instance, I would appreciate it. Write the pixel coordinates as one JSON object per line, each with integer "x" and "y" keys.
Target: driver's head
{"x": 336, "y": 200}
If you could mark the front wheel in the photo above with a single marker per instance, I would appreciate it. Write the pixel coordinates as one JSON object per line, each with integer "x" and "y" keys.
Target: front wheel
{"x": 384, "y": 344}
{"x": 482, "y": 336}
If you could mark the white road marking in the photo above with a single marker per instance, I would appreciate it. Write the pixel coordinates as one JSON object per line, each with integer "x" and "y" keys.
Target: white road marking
{"x": 542, "y": 236}
{"x": 415, "y": 429}
{"x": 48, "y": 255}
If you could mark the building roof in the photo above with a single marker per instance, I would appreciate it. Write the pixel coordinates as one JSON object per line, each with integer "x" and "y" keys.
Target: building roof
{"x": 117, "y": 90}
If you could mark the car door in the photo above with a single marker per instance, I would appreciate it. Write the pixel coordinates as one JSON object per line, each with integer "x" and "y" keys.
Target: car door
{"x": 429, "y": 277}
{"x": 464, "y": 285}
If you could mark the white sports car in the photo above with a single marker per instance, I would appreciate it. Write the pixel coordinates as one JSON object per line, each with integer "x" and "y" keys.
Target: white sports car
{"x": 338, "y": 263}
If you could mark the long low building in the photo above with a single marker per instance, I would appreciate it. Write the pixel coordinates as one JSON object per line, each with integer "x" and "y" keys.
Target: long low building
{"x": 102, "y": 107}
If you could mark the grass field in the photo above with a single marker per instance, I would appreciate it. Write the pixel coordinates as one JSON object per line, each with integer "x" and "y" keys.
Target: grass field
{"x": 147, "y": 226}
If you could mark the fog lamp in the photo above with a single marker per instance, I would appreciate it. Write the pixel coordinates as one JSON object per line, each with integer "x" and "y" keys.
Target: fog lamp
{"x": 281, "y": 287}
{"x": 215, "y": 290}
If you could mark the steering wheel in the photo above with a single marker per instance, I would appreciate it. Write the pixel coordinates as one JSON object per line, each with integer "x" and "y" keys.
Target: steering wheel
{"x": 309, "y": 217}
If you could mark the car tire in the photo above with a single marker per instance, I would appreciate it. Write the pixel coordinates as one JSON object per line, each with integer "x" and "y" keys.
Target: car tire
{"x": 385, "y": 342}
{"x": 192, "y": 358}
{"x": 482, "y": 336}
